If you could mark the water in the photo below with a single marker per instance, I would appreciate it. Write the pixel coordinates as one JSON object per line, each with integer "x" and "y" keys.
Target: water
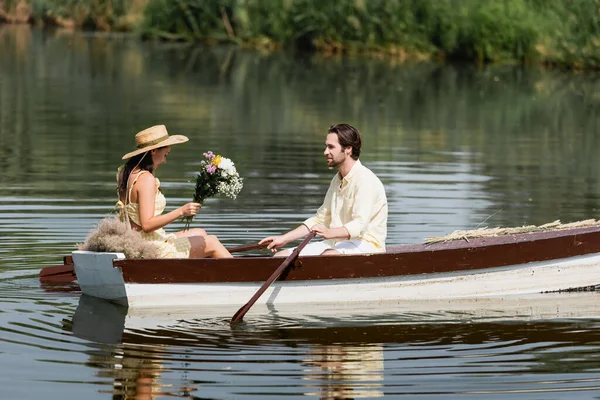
{"x": 457, "y": 147}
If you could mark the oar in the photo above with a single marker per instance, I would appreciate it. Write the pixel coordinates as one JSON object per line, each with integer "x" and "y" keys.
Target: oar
{"x": 63, "y": 273}
{"x": 247, "y": 247}
{"x": 290, "y": 259}
{"x": 56, "y": 270}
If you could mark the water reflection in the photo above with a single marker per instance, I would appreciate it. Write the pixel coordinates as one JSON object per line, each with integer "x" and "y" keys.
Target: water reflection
{"x": 135, "y": 372}
{"x": 148, "y": 354}
{"x": 133, "y": 367}
{"x": 345, "y": 371}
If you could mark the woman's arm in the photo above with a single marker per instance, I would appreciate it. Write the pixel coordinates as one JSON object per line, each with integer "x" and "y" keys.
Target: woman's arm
{"x": 145, "y": 189}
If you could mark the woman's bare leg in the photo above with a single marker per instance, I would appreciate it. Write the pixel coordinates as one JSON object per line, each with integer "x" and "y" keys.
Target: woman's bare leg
{"x": 207, "y": 247}
{"x": 191, "y": 232}
{"x": 331, "y": 252}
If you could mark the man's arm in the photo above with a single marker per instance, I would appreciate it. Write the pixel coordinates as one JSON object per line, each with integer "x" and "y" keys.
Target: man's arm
{"x": 331, "y": 233}
{"x": 323, "y": 213}
{"x": 282, "y": 240}
{"x": 316, "y": 220}
{"x": 365, "y": 206}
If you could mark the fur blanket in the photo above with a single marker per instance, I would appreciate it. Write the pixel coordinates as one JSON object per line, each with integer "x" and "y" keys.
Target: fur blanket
{"x": 111, "y": 234}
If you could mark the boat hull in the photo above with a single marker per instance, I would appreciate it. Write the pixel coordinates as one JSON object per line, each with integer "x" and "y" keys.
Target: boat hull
{"x": 98, "y": 277}
{"x": 530, "y": 263}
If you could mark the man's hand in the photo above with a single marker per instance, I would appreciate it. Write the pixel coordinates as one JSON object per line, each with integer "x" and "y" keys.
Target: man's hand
{"x": 331, "y": 233}
{"x": 322, "y": 231}
{"x": 276, "y": 241}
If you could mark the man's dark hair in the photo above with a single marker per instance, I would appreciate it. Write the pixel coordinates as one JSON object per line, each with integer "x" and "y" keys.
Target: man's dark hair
{"x": 348, "y": 136}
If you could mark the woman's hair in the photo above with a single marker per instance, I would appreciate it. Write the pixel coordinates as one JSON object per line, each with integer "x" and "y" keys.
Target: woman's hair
{"x": 142, "y": 161}
{"x": 348, "y": 136}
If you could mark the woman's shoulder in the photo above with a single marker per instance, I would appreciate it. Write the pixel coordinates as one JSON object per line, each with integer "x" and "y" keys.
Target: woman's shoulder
{"x": 146, "y": 178}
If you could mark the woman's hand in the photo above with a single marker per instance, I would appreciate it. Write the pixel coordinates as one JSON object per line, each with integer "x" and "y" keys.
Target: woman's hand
{"x": 190, "y": 209}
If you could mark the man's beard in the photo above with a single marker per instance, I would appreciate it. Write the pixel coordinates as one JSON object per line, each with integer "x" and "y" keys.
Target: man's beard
{"x": 335, "y": 163}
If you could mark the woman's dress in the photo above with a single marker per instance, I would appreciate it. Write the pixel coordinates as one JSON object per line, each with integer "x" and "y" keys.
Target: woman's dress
{"x": 169, "y": 244}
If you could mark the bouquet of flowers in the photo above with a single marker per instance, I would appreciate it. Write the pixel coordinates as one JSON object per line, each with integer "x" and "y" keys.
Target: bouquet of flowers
{"x": 217, "y": 175}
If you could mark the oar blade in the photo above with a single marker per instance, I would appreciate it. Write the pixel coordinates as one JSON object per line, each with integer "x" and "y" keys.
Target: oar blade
{"x": 59, "y": 273}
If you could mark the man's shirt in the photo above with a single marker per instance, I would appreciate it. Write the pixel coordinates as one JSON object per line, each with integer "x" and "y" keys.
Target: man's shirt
{"x": 357, "y": 202}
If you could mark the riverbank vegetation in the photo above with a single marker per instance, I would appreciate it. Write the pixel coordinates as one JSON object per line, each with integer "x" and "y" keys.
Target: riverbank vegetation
{"x": 555, "y": 32}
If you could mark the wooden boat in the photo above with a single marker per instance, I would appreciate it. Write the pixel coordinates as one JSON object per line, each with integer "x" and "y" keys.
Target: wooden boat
{"x": 514, "y": 264}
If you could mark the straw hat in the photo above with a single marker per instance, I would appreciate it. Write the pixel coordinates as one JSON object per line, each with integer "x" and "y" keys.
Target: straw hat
{"x": 153, "y": 138}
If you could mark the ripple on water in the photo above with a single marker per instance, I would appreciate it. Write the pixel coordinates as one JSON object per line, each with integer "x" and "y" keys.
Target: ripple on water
{"x": 320, "y": 352}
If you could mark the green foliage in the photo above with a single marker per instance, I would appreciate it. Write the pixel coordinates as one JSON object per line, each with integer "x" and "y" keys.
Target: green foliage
{"x": 186, "y": 19}
{"x": 498, "y": 30}
{"x": 92, "y": 14}
{"x": 565, "y": 32}
{"x": 576, "y": 40}
{"x": 555, "y": 31}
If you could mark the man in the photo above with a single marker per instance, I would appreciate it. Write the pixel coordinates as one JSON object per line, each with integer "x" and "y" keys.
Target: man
{"x": 353, "y": 217}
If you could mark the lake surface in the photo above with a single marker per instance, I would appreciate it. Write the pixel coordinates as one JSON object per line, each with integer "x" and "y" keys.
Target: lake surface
{"x": 457, "y": 147}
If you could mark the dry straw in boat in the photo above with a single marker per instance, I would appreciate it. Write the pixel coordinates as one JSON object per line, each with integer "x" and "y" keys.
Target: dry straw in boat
{"x": 111, "y": 235}
{"x": 490, "y": 232}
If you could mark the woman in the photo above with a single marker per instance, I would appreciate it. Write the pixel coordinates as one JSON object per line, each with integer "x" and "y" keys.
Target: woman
{"x": 142, "y": 203}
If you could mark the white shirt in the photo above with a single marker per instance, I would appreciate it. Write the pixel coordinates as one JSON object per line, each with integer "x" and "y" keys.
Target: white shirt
{"x": 357, "y": 202}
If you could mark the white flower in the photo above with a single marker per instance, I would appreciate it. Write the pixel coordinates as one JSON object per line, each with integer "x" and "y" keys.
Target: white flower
{"x": 227, "y": 166}
{"x": 231, "y": 188}
{"x": 218, "y": 175}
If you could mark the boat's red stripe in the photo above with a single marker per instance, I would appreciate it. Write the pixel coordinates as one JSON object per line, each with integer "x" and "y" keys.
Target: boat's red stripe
{"x": 455, "y": 256}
